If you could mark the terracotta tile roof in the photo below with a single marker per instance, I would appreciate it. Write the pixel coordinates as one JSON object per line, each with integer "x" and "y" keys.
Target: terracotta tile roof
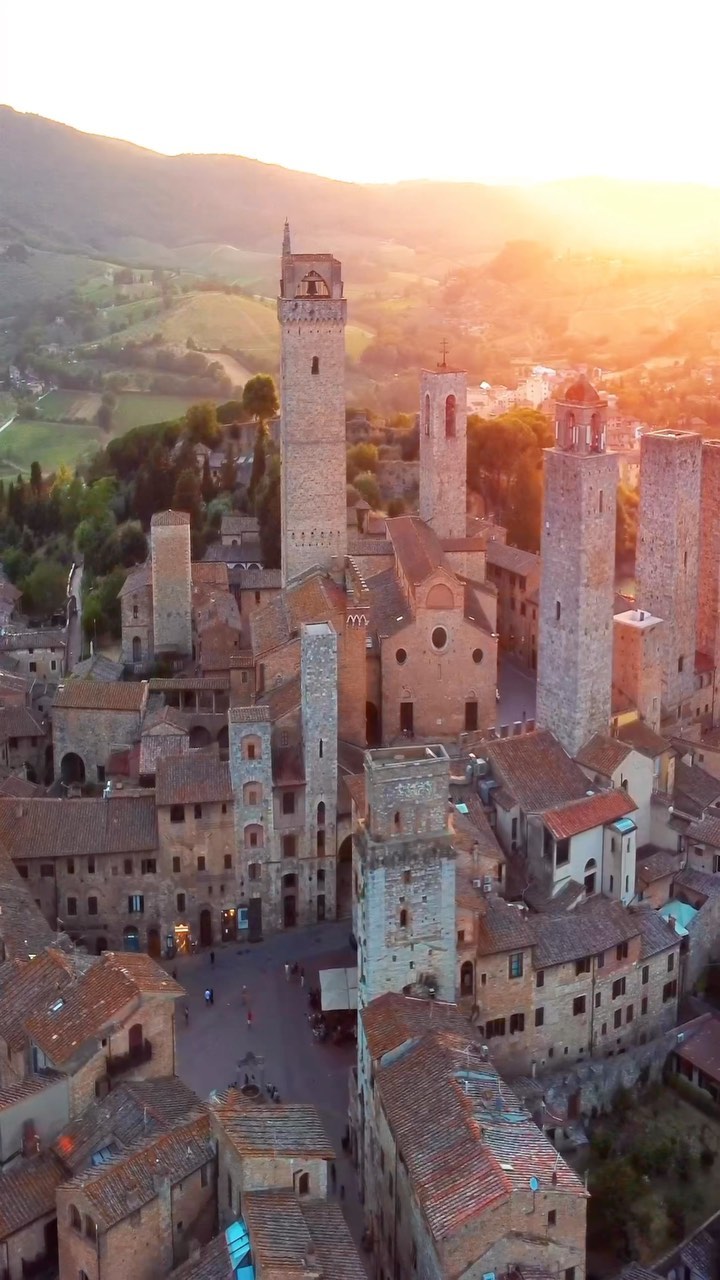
{"x": 24, "y": 931}
{"x": 389, "y": 610}
{"x": 511, "y": 558}
{"x": 211, "y": 1263}
{"x": 17, "y": 722}
{"x": 27, "y": 1192}
{"x": 603, "y": 754}
{"x": 134, "y": 1112}
{"x": 18, "y": 641}
{"x": 259, "y": 579}
{"x": 596, "y": 926}
{"x": 701, "y": 882}
{"x": 192, "y": 779}
{"x": 700, "y": 1044}
{"x": 706, "y": 830}
{"x": 655, "y": 864}
{"x": 265, "y": 1129}
{"x": 392, "y": 1019}
{"x": 417, "y": 547}
{"x": 299, "y": 1239}
{"x": 48, "y": 828}
{"x": 359, "y": 545}
{"x": 169, "y": 518}
{"x": 97, "y": 695}
{"x": 694, "y": 789}
{"x": 98, "y": 667}
{"x": 231, "y": 525}
{"x": 25, "y": 987}
{"x": 165, "y": 720}
{"x": 114, "y": 984}
{"x": 14, "y": 1093}
{"x": 249, "y": 715}
{"x": 194, "y": 684}
{"x": 315, "y": 598}
{"x": 535, "y": 770}
{"x": 139, "y": 579}
{"x": 245, "y": 553}
{"x": 473, "y": 607}
{"x": 206, "y": 574}
{"x": 123, "y": 1185}
{"x": 282, "y": 699}
{"x": 642, "y": 738}
{"x": 159, "y": 745}
{"x": 504, "y": 928}
{"x": 541, "y": 899}
{"x": 592, "y": 811}
{"x": 701, "y": 1255}
{"x": 466, "y": 1141}
{"x": 656, "y": 934}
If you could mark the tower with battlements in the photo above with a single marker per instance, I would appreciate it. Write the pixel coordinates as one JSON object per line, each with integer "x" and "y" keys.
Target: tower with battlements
{"x": 578, "y": 571}
{"x": 312, "y": 313}
{"x": 443, "y": 450}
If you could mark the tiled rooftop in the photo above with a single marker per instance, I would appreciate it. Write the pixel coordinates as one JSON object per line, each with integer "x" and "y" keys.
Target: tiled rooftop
{"x": 694, "y": 789}
{"x": 504, "y": 928}
{"x": 417, "y": 547}
{"x": 655, "y": 864}
{"x": 300, "y": 1239}
{"x": 706, "y": 830}
{"x": 466, "y": 1141}
{"x": 603, "y": 754}
{"x": 642, "y": 738}
{"x": 98, "y": 695}
{"x": 591, "y": 928}
{"x": 536, "y": 771}
{"x": 656, "y": 934}
{"x": 511, "y": 558}
{"x": 14, "y": 641}
{"x": 392, "y": 1019}
{"x": 260, "y": 1129}
{"x": 135, "y": 1111}
{"x": 169, "y": 518}
{"x": 49, "y": 828}
{"x": 592, "y": 811}
{"x": 27, "y": 1192}
{"x": 192, "y": 779}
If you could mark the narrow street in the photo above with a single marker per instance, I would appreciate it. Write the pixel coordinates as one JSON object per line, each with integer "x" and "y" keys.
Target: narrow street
{"x": 517, "y": 692}
{"x": 74, "y": 631}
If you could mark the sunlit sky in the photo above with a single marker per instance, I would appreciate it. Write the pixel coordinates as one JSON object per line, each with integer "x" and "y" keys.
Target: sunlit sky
{"x": 380, "y": 90}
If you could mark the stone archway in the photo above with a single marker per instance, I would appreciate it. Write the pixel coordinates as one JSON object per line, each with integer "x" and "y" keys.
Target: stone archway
{"x": 200, "y": 737}
{"x": 343, "y": 880}
{"x": 72, "y": 769}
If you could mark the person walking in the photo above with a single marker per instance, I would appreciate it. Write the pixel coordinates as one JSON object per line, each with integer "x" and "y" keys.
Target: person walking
{"x": 186, "y": 1013}
{"x": 212, "y": 959}
{"x": 342, "y": 1190}
{"x": 208, "y": 995}
{"x": 249, "y": 1019}
{"x": 287, "y": 972}
{"x": 302, "y": 977}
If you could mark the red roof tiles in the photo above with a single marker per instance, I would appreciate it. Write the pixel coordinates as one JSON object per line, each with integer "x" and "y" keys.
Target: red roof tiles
{"x": 592, "y": 811}
{"x": 97, "y": 695}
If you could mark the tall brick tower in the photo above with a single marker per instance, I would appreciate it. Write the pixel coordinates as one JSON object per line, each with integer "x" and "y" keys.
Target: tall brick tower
{"x": 708, "y": 616}
{"x": 443, "y": 450}
{"x": 578, "y": 572}
{"x": 319, "y": 708}
{"x": 312, "y": 313}
{"x": 172, "y": 582}
{"x": 406, "y": 874}
{"x": 667, "y": 552}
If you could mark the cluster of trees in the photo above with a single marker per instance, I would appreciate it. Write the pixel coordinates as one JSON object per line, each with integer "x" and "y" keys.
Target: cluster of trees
{"x": 505, "y": 468}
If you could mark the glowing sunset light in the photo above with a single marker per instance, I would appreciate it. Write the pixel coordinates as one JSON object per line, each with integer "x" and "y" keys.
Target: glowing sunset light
{"x": 469, "y": 90}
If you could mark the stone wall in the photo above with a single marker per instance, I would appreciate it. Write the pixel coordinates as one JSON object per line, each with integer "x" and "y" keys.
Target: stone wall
{"x": 443, "y": 451}
{"x": 708, "y": 617}
{"x": 92, "y": 735}
{"x": 172, "y": 583}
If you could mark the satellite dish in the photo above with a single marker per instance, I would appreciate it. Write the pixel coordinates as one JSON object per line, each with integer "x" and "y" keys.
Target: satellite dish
{"x": 534, "y": 1184}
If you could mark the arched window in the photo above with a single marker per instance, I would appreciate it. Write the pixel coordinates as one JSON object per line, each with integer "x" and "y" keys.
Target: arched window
{"x": 315, "y": 364}
{"x": 467, "y": 978}
{"x": 135, "y": 611}
{"x": 252, "y": 793}
{"x": 252, "y": 748}
{"x": 90, "y": 1228}
{"x": 321, "y": 814}
{"x": 426, "y": 415}
{"x": 302, "y": 1183}
{"x": 320, "y": 749}
{"x": 590, "y": 870}
{"x": 397, "y": 821}
{"x": 403, "y": 918}
{"x": 253, "y": 836}
{"x": 450, "y": 413}
{"x": 75, "y": 1219}
{"x": 137, "y": 649}
{"x": 595, "y": 433}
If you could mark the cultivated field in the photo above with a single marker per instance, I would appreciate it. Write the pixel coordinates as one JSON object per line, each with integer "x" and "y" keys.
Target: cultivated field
{"x": 133, "y": 409}
{"x": 52, "y": 444}
{"x": 81, "y": 406}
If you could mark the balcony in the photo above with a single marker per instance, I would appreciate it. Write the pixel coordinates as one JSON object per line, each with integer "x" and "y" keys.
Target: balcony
{"x": 123, "y": 1062}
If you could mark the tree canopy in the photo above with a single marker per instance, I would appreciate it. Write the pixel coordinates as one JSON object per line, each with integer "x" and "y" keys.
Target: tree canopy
{"x": 260, "y": 399}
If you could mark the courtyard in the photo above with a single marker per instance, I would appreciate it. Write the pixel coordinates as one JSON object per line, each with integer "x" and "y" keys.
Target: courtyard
{"x": 217, "y": 1037}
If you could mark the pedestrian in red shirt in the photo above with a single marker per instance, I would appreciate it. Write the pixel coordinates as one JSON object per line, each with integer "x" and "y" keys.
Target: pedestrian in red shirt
{"x": 249, "y": 1019}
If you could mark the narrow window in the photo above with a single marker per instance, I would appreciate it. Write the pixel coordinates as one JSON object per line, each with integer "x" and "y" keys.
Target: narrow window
{"x": 315, "y": 364}
{"x": 450, "y": 415}
{"x": 600, "y": 502}
{"x": 320, "y": 749}
{"x": 403, "y": 919}
{"x": 557, "y": 610}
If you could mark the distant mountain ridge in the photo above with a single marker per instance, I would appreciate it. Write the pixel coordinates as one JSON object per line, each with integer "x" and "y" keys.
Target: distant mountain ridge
{"x": 87, "y": 193}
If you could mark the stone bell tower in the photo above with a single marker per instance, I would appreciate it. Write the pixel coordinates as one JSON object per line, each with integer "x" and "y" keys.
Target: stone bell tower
{"x": 312, "y": 313}
{"x": 577, "y": 556}
{"x": 443, "y": 449}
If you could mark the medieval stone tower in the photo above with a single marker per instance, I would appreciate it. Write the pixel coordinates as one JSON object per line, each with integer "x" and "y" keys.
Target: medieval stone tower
{"x": 172, "y": 582}
{"x": 637, "y": 662}
{"x": 312, "y": 313}
{"x": 319, "y": 705}
{"x": 578, "y": 572}
{"x": 443, "y": 450}
{"x": 405, "y": 867}
{"x": 667, "y": 552}
{"x": 708, "y": 617}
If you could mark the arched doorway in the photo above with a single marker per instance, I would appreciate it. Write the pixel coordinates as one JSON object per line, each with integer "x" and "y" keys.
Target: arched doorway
{"x": 135, "y": 1038}
{"x": 30, "y": 773}
{"x": 289, "y": 900}
{"x": 200, "y": 737}
{"x": 467, "y": 978}
{"x": 206, "y": 927}
{"x": 372, "y": 725}
{"x": 153, "y": 939}
{"x": 223, "y": 739}
{"x": 137, "y": 649}
{"x": 72, "y": 769}
{"x": 343, "y": 882}
{"x": 131, "y": 938}
{"x": 100, "y": 946}
{"x": 590, "y": 871}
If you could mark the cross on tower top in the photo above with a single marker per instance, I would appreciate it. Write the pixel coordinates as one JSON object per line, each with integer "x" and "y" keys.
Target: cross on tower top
{"x": 443, "y": 352}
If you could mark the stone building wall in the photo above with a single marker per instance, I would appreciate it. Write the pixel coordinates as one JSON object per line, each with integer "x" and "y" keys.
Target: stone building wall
{"x": 576, "y": 596}
{"x": 312, "y": 313}
{"x": 443, "y": 451}
{"x": 667, "y": 551}
{"x": 319, "y": 706}
{"x": 172, "y": 582}
{"x": 252, "y": 782}
{"x": 708, "y": 616}
{"x": 637, "y": 662}
{"x": 136, "y": 613}
{"x": 93, "y": 735}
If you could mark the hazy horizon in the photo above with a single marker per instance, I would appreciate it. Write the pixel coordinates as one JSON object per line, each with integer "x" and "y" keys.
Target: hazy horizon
{"x": 500, "y": 95}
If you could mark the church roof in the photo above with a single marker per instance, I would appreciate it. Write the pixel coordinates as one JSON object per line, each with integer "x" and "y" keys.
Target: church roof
{"x": 580, "y": 392}
{"x": 417, "y": 548}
